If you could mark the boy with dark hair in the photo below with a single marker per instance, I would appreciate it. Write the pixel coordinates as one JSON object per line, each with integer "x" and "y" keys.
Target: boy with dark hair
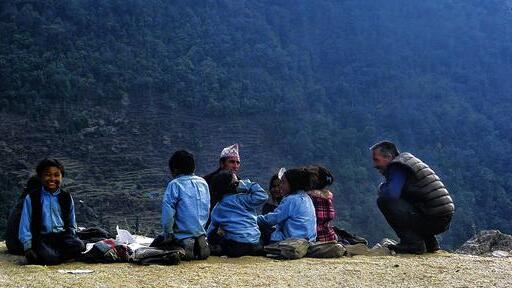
{"x": 182, "y": 163}
{"x": 47, "y": 228}
{"x": 185, "y": 208}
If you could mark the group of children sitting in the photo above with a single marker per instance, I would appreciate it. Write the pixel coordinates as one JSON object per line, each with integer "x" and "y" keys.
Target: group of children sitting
{"x": 244, "y": 219}
{"x": 299, "y": 207}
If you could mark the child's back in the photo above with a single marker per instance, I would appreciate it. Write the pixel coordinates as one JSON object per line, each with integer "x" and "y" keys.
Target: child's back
{"x": 325, "y": 214}
{"x": 185, "y": 207}
{"x": 294, "y": 218}
{"x": 235, "y": 214}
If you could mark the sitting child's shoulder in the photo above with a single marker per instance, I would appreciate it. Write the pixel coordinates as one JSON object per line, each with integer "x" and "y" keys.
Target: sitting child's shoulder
{"x": 188, "y": 177}
{"x": 182, "y": 180}
{"x": 198, "y": 178}
{"x": 299, "y": 197}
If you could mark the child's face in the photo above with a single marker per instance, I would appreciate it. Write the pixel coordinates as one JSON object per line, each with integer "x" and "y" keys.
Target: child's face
{"x": 275, "y": 191}
{"x": 285, "y": 186}
{"x": 51, "y": 178}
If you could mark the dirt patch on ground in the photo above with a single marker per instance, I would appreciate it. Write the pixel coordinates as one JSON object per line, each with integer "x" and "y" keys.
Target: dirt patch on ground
{"x": 439, "y": 270}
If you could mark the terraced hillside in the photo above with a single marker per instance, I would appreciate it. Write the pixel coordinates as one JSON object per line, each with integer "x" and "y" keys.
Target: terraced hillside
{"x": 117, "y": 168}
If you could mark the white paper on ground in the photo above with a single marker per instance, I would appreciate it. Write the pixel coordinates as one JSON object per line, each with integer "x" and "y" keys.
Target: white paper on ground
{"x": 500, "y": 253}
{"x": 143, "y": 240}
{"x": 76, "y": 271}
{"x": 124, "y": 236}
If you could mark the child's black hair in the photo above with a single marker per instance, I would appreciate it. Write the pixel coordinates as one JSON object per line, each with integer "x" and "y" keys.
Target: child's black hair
{"x": 45, "y": 163}
{"x": 271, "y": 184}
{"x": 224, "y": 183}
{"x": 298, "y": 178}
{"x": 182, "y": 162}
{"x": 321, "y": 177}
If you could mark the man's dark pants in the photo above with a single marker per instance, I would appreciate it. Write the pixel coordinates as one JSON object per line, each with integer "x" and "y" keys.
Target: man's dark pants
{"x": 409, "y": 223}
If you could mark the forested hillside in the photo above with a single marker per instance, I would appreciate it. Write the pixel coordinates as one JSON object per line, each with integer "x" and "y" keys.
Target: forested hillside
{"x": 113, "y": 87}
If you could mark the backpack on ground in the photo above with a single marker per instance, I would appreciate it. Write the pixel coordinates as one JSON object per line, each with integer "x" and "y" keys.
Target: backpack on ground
{"x": 151, "y": 255}
{"x": 329, "y": 249}
{"x": 288, "y": 249}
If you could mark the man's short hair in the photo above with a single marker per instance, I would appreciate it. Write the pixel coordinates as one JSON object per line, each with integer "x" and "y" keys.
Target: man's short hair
{"x": 386, "y": 148}
{"x": 182, "y": 162}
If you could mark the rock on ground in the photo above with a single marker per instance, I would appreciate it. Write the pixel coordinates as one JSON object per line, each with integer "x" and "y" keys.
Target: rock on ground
{"x": 487, "y": 243}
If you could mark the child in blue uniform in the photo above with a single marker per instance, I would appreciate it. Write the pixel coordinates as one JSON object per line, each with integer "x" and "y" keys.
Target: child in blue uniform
{"x": 185, "y": 208}
{"x": 47, "y": 228}
{"x": 295, "y": 217}
{"x": 233, "y": 230}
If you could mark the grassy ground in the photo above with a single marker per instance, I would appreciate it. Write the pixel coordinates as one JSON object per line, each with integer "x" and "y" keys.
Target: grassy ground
{"x": 435, "y": 270}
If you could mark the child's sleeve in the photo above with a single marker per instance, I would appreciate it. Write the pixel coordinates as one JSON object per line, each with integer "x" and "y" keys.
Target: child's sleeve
{"x": 72, "y": 218}
{"x": 332, "y": 210}
{"x": 279, "y": 215}
{"x": 169, "y": 209}
{"x": 213, "y": 224}
{"x": 24, "y": 232}
{"x": 255, "y": 195}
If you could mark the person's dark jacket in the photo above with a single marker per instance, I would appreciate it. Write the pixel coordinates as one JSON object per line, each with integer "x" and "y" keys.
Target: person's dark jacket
{"x": 423, "y": 188}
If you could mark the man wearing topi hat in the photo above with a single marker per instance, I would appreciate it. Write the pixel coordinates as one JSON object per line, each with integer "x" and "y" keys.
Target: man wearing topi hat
{"x": 229, "y": 160}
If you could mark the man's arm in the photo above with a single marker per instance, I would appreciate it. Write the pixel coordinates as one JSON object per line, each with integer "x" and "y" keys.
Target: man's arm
{"x": 392, "y": 188}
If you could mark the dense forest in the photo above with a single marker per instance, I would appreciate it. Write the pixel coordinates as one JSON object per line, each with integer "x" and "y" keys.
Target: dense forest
{"x": 294, "y": 82}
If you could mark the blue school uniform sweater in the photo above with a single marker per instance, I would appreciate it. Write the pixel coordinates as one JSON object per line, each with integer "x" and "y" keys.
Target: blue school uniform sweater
{"x": 235, "y": 214}
{"x": 294, "y": 218}
{"x": 185, "y": 207}
{"x": 51, "y": 217}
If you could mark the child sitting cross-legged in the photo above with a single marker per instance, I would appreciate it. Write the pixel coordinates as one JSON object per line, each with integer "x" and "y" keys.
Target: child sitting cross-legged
{"x": 233, "y": 230}
{"x": 322, "y": 198}
{"x": 47, "y": 227}
{"x": 185, "y": 208}
{"x": 294, "y": 217}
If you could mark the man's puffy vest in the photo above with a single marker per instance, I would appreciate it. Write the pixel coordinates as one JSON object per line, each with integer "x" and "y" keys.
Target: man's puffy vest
{"x": 424, "y": 188}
